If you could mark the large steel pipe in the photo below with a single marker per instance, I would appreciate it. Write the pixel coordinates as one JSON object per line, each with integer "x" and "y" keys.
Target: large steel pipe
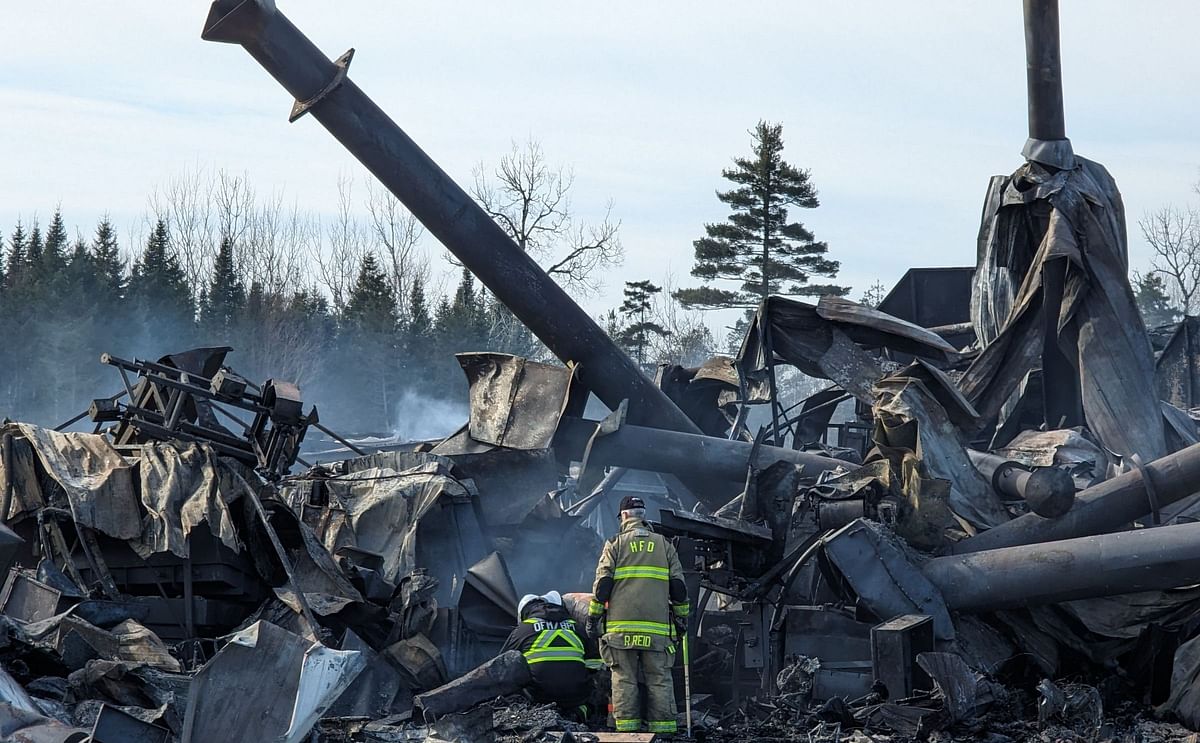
{"x": 1106, "y": 565}
{"x": 322, "y": 88}
{"x": 1101, "y": 508}
{"x": 1043, "y": 70}
{"x": 1049, "y": 491}
{"x": 703, "y": 458}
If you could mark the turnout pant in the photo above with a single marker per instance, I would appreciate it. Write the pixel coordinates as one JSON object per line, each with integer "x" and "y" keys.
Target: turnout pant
{"x": 655, "y": 667}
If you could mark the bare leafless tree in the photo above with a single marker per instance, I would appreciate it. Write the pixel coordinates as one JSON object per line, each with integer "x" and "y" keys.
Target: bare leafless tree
{"x": 234, "y": 204}
{"x": 273, "y": 246}
{"x": 531, "y": 201}
{"x": 1173, "y": 234}
{"x": 397, "y": 235}
{"x": 688, "y": 340}
{"x": 281, "y": 344}
{"x": 346, "y": 241}
{"x": 185, "y": 204}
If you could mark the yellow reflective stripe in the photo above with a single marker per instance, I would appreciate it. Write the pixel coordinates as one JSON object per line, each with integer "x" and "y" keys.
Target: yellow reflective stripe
{"x": 642, "y": 571}
{"x": 595, "y": 608}
{"x": 649, "y": 628}
{"x": 542, "y": 656}
{"x": 593, "y": 664}
{"x": 544, "y": 647}
{"x": 573, "y": 640}
{"x": 662, "y": 726}
{"x": 682, "y": 610}
{"x": 628, "y": 726}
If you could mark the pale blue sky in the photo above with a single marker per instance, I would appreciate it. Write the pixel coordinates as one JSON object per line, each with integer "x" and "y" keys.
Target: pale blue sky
{"x": 901, "y": 110}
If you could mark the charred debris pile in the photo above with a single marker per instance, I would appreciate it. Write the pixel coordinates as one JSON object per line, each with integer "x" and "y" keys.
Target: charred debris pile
{"x": 922, "y": 570}
{"x": 983, "y": 528}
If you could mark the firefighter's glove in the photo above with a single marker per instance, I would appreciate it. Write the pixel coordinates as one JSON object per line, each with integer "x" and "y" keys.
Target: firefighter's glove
{"x": 594, "y": 626}
{"x": 681, "y": 625}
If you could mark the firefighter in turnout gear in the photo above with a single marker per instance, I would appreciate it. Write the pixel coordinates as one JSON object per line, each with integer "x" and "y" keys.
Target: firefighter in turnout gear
{"x": 640, "y": 580}
{"x": 554, "y": 652}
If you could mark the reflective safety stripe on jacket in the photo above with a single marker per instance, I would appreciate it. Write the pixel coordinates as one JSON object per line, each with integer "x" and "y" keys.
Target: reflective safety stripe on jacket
{"x": 556, "y": 641}
{"x": 649, "y": 628}
{"x": 641, "y": 564}
{"x": 652, "y": 572}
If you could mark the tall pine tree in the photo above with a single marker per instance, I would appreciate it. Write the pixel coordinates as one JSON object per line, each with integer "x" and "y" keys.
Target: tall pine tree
{"x": 463, "y": 324}
{"x": 158, "y": 286}
{"x": 107, "y": 263}
{"x": 225, "y": 298}
{"x": 369, "y": 341}
{"x": 757, "y": 246}
{"x": 33, "y": 255}
{"x": 420, "y": 322}
{"x": 371, "y": 305}
{"x": 54, "y": 252}
{"x": 80, "y": 272}
{"x": 15, "y": 265}
{"x": 637, "y": 306}
{"x": 1150, "y": 292}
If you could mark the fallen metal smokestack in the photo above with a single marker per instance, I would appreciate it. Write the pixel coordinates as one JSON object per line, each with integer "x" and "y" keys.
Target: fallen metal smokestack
{"x": 1101, "y": 508}
{"x": 1087, "y": 567}
{"x": 1049, "y": 491}
{"x": 704, "y": 458}
{"x": 322, "y": 88}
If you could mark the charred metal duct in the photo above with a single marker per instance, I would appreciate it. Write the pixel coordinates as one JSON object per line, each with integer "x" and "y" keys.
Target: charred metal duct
{"x": 1087, "y": 567}
{"x": 322, "y": 88}
{"x": 1049, "y": 491}
{"x": 1043, "y": 70}
{"x": 704, "y": 458}
{"x": 1103, "y": 507}
{"x": 1047, "y": 143}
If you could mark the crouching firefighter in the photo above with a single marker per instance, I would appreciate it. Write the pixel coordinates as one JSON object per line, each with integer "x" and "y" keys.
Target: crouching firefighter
{"x": 554, "y": 652}
{"x": 640, "y": 579}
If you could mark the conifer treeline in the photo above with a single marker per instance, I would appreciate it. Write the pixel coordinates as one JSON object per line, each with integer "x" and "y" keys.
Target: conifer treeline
{"x": 64, "y": 302}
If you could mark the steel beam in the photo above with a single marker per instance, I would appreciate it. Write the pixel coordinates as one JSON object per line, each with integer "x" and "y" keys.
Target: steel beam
{"x": 321, "y": 87}
{"x": 1101, "y": 508}
{"x": 1107, "y": 565}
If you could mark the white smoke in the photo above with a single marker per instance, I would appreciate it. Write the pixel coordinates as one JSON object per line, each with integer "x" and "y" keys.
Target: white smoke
{"x": 421, "y": 418}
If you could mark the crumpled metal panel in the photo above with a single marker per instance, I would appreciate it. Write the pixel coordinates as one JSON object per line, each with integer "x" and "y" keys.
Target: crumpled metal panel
{"x": 515, "y": 402}
{"x": 96, "y": 478}
{"x": 1031, "y": 220}
{"x": 797, "y": 335}
{"x": 708, "y": 394}
{"x": 181, "y": 488}
{"x": 824, "y": 342}
{"x": 510, "y": 482}
{"x": 868, "y": 325}
{"x": 22, "y": 726}
{"x": 21, "y": 720}
{"x": 916, "y": 433}
{"x": 884, "y": 578}
{"x": 266, "y": 684}
{"x": 488, "y": 603}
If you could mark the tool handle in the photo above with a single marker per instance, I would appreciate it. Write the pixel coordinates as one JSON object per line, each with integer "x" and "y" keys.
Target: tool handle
{"x": 687, "y": 685}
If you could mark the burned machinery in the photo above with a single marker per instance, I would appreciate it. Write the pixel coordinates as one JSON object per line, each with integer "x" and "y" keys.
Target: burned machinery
{"x": 188, "y": 396}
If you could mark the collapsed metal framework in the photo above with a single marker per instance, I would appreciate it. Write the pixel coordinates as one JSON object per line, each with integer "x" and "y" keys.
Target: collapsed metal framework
{"x": 186, "y": 396}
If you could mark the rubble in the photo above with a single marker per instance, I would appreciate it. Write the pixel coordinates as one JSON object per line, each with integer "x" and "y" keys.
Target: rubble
{"x": 996, "y": 546}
